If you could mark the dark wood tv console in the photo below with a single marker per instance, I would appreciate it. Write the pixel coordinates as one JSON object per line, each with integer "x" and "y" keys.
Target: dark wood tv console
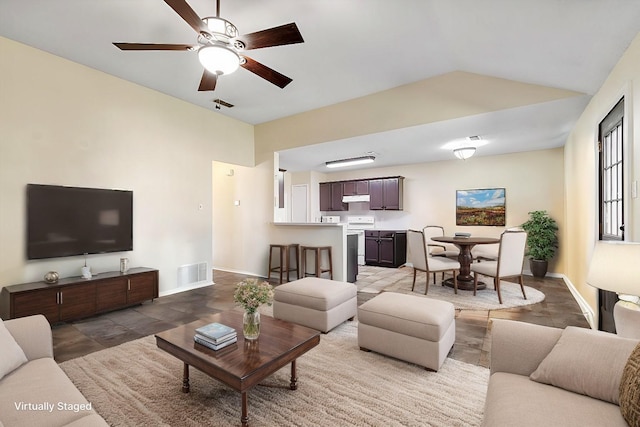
{"x": 74, "y": 297}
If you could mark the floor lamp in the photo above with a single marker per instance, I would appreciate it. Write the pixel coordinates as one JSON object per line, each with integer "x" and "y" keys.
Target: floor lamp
{"x": 615, "y": 267}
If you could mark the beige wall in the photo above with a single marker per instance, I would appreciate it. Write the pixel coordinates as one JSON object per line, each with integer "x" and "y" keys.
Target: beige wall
{"x": 581, "y": 168}
{"x": 63, "y": 123}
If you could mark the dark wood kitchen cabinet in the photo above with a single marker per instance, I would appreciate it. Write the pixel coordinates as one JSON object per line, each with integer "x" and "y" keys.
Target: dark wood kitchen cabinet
{"x": 385, "y": 248}
{"x": 386, "y": 193}
{"x": 76, "y": 297}
{"x": 356, "y": 188}
{"x": 331, "y": 196}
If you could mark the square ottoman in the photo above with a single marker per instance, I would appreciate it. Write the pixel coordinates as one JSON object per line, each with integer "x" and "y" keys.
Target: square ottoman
{"x": 320, "y": 304}
{"x": 408, "y": 327}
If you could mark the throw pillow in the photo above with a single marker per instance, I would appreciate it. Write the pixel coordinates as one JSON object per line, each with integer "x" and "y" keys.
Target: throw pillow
{"x": 11, "y": 355}
{"x": 587, "y": 362}
{"x": 630, "y": 389}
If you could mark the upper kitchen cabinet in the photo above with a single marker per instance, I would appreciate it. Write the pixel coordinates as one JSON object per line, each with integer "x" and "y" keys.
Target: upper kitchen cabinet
{"x": 386, "y": 193}
{"x": 356, "y": 188}
{"x": 331, "y": 197}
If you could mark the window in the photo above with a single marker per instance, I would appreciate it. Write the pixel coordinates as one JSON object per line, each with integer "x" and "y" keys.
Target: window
{"x": 611, "y": 160}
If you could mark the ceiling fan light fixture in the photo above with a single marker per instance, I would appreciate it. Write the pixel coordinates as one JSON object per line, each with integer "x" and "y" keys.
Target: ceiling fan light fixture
{"x": 218, "y": 59}
{"x": 350, "y": 162}
{"x": 463, "y": 153}
{"x": 219, "y": 26}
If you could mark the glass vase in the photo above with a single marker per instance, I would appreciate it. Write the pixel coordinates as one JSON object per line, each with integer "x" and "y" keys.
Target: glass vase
{"x": 251, "y": 325}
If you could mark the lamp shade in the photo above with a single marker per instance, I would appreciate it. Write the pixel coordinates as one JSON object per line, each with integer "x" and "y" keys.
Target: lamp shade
{"x": 218, "y": 59}
{"x": 614, "y": 267}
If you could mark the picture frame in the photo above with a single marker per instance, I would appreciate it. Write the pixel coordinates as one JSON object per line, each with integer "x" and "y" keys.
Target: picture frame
{"x": 485, "y": 206}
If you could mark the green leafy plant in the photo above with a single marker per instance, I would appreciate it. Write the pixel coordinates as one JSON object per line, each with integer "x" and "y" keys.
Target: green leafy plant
{"x": 542, "y": 239}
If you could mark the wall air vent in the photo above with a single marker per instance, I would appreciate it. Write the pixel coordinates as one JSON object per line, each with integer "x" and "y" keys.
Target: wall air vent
{"x": 220, "y": 102}
{"x": 192, "y": 274}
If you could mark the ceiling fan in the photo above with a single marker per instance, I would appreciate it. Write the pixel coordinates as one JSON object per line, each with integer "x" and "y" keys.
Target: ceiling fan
{"x": 220, "y": 48}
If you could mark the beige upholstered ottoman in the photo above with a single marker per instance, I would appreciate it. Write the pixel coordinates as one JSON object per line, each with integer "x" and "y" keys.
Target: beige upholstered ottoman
{"x": 320, "y": 304}
{"x": 408, "y": 327}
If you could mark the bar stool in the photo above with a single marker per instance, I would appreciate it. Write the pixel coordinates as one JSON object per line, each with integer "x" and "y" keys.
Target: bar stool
{"x": 317, "y": 255}
{"x": 285, "y": 264}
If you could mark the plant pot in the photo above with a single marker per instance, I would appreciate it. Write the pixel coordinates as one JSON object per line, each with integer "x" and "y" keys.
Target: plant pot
{"x": 538, "y": 267}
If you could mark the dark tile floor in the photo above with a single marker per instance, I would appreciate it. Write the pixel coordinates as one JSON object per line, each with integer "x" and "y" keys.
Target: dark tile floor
{"x": 472, "y": 344}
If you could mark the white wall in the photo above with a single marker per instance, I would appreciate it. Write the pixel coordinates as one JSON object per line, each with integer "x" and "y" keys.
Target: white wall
{"x": 66, "y": 124}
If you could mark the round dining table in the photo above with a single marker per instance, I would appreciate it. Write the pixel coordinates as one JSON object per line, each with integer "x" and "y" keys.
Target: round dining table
{"x": 465, "y": 279}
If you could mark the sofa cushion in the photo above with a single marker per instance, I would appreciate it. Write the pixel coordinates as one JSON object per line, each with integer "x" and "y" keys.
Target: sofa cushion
{"x": 11, "y": 355}
{"x": 24, "y": 392}
{"x": 587, "y": 362}
{"x": 630, "y": 389}
{"x": 514, "y": 400}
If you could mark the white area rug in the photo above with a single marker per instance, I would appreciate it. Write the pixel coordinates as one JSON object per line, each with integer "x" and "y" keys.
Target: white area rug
{"x": 399, "y": 280}
{"x": 137, "y": 384}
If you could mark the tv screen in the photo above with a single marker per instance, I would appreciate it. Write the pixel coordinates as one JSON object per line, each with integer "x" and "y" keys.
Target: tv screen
{"x": 67, "y": 221}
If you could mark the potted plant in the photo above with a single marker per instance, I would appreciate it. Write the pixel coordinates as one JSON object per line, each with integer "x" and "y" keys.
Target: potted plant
{"x": 542, "y": 241}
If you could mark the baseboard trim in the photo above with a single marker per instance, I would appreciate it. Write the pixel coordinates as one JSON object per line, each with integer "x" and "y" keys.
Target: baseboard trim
{"x": 185, "y": 288}
{"x": 586, "y": 309}
{"x": 227, "y": 270}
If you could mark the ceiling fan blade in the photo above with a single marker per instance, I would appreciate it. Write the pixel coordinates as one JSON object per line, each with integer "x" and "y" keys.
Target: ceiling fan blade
{"x": 276, "y": 36}
{"x": 265, "y": 72}
{"x": 189, "y": 15}
{"x": 208, "y": 81}
{"x": 153, "y": 46}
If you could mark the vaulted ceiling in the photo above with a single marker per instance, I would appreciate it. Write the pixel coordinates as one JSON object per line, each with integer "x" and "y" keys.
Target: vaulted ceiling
{"x": 355, "y": 49}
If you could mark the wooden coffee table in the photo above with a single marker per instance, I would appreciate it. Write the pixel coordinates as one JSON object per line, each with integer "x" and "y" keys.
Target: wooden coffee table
{"x": 244, "y": 364}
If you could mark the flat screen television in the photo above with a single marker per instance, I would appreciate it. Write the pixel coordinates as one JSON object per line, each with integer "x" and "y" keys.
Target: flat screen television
{"x": 66, "y": 221}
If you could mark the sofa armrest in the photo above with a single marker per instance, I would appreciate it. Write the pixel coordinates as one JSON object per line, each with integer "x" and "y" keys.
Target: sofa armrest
{"x": 518, "y": 347}
{"x": 33, "y": 335}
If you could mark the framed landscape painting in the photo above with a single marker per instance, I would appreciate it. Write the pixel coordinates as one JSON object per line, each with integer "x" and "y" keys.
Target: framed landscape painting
{"x": 481, "y": 207}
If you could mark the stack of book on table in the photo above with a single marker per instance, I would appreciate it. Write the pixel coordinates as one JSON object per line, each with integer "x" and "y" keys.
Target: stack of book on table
{"x": 215, "y": 336}
{"x": 462, "y": 235}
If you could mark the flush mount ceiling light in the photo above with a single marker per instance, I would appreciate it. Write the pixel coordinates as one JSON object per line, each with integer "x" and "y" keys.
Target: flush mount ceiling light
{"x": 350, "y": 162}
{"x": 464, "y": 153}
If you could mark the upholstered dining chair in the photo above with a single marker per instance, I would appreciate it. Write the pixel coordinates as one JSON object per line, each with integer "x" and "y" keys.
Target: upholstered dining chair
{"x": 422, "y": 261}
{"x": 489, "y": 252}
{"x": 508, "y": 265}
{"x": 438, "y": 248}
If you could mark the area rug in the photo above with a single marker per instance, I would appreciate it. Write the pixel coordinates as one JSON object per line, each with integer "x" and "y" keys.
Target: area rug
{"x": 486, "y": 299}
{"x": 137, "y": 384}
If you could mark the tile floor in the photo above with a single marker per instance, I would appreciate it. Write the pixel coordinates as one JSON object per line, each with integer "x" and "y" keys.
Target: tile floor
{"x": 472, "y": 344}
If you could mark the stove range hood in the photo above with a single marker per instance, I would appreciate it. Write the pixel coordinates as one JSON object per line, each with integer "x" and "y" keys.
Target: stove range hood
{"x": 355, "y": 199}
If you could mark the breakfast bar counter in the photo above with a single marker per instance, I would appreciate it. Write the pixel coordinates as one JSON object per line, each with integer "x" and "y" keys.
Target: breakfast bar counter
{"x": 316, "y": 234}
